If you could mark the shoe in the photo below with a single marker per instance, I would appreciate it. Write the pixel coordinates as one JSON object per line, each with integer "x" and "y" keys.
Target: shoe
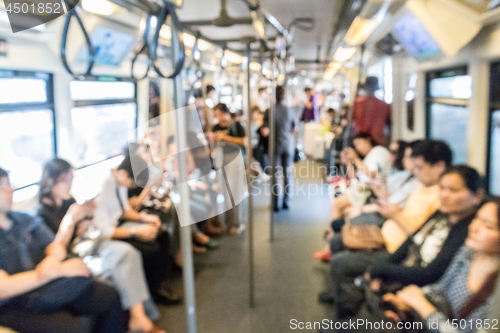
{"x": 276, "y": 209}
{"x": 285, "y": 206}
{"x": 343, "y": 313}
{"x": 233, "y": 231}
{"x": 325, "y": 257}
{"x": 241, "y": 228}
{"x": 166, "y": 296}
{"x": 326, "y": 297}
{"x": 212, "y": 244}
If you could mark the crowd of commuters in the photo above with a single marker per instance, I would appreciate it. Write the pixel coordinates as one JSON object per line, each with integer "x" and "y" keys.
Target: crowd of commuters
{"x": 104, "y": 265}
{"x": 413, "y": 238}
{"x": 419, "y": 242}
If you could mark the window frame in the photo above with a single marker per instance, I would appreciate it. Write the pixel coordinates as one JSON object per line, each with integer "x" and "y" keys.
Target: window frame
{"x": 49, "y": 104}
{"x": 100, "y": 102}
{"x": 493, "y": 105}
{"x": 429, "y": 100}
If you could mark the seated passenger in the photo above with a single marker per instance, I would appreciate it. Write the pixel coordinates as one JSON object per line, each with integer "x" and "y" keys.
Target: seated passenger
{"x": 430, "y": 159}
{"x": 141, "y": 230}
{"x": 401, "y": 183}
{"x": 364, "y": 163}
{"x": 43, "y": 292}
{"x": 202, "y": 195}
{"x": 122, "y": 262}
{"x": 424, "y": 256}
{"x": 467, "y": 285}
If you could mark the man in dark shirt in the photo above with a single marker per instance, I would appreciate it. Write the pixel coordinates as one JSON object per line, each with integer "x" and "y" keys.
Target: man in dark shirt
{"x": 227, "y": 130}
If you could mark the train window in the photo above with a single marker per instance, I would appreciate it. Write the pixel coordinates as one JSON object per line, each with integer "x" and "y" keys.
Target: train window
{"x": 494, "y": 174}
{"x": 493, "y": 168}
{"x": 459, "y": 87}
{"x": 97, "y": 90}
{"x": 448, "y": 92}
{"x": 27, "y": 134}
{"x": 104, "y": 116}
{"x": 383, "y": 71}
{"x": 449, "y": 123}
{"x": 14, "y": 90}
{"x": 410, "y": 95}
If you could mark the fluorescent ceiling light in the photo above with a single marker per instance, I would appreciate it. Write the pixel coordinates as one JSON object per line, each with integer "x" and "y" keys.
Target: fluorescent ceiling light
{"x": 233, "y": 57}
{"x": 329, "y": 74}
{"x": 203, "y": 45}
{"x": 101, "y": 7}
{"x": 166, "y": 33}
{"x": 189, "y": 41}
{"x": 255, "y": 66}
{"x": 367, "y": 21}
{"x": 344, "y": 54}
{"x": 332, "y": 69}
{"x": 360, "y": 30}
{"x": 258, "y": 25}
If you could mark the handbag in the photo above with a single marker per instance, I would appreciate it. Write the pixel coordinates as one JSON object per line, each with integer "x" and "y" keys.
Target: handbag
{"x": 362, "y": 237}
{"x": 88, "y": 244}
{"x": 298, "y": 155}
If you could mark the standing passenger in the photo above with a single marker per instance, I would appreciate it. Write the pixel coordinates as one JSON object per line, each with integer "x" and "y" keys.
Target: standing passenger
{"x": 228, "y": 130}
{"x": 284, "y": 146}
{"x": 370, "y": 114}
{"x": 311, "y": 107}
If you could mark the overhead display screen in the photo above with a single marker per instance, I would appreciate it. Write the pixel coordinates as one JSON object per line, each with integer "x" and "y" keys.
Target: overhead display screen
{"x": 415, "y": 38}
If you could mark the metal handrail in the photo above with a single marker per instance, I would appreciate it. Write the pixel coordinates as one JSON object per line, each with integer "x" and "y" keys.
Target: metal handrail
{"x": 177, "y": 45}
{"x": 64, "y": 39}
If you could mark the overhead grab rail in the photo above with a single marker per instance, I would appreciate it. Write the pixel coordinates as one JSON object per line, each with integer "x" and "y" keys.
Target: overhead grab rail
{"x": 149, "y": 48}
{"x": 302, "y": 23}
{"x": 91, "y": 51}
{"x": 144, "y": 49}
{"x": 177, "y": 46}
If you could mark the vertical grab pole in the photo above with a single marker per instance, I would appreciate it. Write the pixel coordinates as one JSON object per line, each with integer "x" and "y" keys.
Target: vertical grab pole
{"x": 184, "y": 213}
{"x": 272, "y": 135}
{"x": 250, "y": 188}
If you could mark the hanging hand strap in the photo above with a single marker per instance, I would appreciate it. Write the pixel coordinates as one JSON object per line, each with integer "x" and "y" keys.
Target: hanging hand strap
{"x": 91, "y": 51}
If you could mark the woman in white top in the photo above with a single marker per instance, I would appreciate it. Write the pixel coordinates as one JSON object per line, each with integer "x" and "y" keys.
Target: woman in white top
{"x": 364, "y": 163}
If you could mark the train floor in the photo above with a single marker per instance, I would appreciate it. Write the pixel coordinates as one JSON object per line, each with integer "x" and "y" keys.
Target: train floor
{"x": 287, "y": 278}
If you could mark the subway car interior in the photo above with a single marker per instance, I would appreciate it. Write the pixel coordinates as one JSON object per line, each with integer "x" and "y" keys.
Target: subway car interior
{"x": 248, "y": 166}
